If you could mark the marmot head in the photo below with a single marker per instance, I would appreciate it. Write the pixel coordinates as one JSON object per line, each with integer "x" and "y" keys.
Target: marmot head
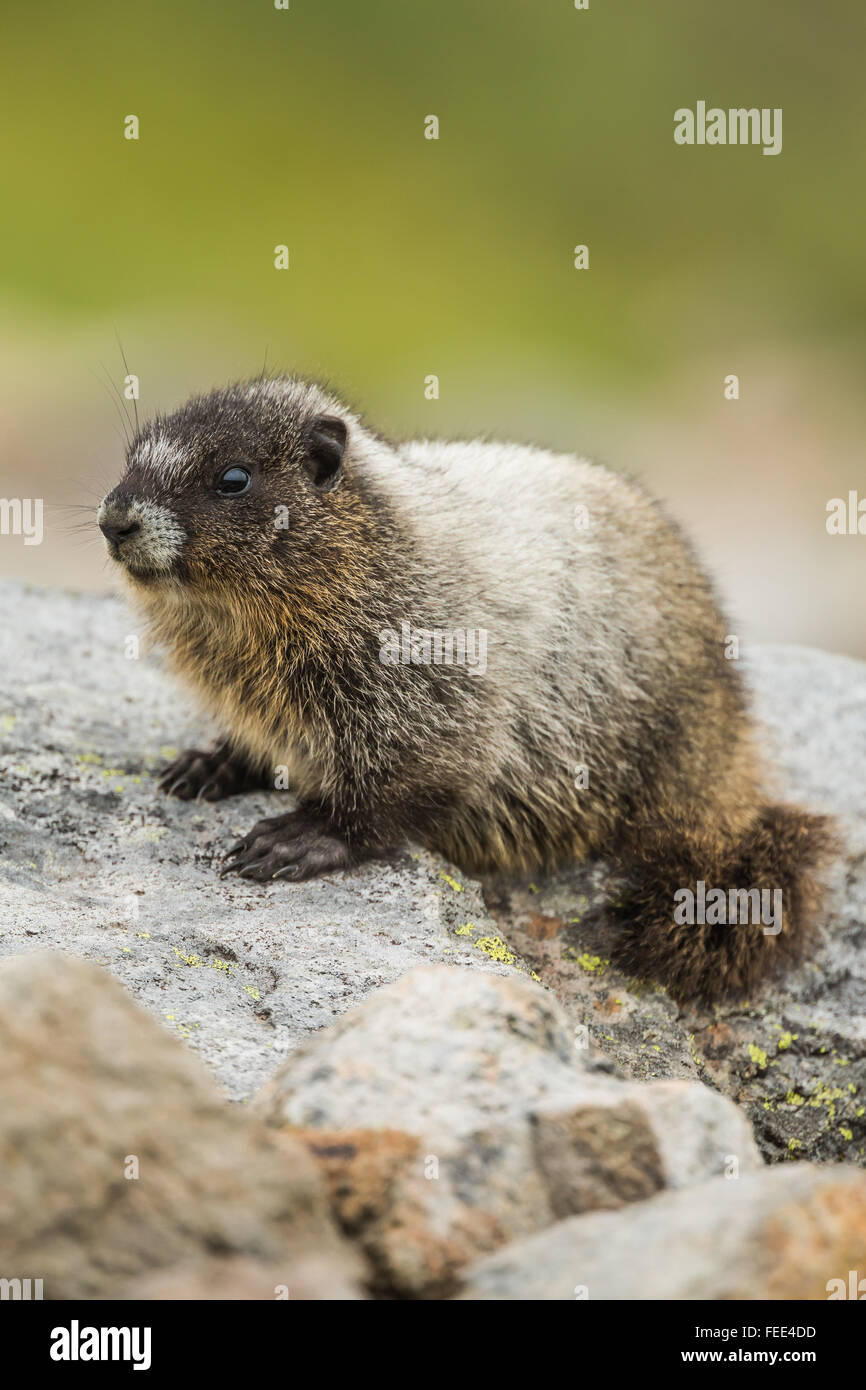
{"x": 237, "y": 487}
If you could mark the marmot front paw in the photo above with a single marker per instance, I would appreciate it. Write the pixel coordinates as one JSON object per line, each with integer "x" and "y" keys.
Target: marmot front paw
{"x": 295, "y": 846}
{"x": 209, "y": 776}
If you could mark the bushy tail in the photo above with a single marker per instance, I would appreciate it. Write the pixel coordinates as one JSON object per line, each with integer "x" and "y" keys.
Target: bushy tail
{"x": 663, "y": 914}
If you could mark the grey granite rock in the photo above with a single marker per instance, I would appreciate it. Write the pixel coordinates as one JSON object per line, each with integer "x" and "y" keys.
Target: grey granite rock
{"x": 96, "y": 862}
{"x": 780, "y": 1234}
{"x": 470, "y": 1091}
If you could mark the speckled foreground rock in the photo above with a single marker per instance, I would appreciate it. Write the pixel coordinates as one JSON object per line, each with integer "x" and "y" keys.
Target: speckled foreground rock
{"x": 237, "y": 1278}
{"x": 95, "y": 861}
{"x": 119, "y": 1158}
{"x": 454, "y": 1111}
{"x": 780, "y": 1234}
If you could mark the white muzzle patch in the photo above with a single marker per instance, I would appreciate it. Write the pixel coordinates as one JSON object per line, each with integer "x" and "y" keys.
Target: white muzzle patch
{"x": 156, "y": 544}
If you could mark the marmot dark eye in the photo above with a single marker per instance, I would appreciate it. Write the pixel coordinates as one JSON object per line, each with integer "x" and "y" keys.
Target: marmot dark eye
{"x": 233, "y": 481}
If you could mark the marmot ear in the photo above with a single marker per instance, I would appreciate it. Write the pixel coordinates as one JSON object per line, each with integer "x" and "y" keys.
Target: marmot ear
{"x": 326, "y": 444}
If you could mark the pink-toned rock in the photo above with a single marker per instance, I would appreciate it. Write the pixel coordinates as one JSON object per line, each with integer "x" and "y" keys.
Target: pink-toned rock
{"x": 119, "y": 1155}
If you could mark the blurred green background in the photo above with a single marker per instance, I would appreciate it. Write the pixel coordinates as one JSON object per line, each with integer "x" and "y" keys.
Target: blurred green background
{"x": 454, "y": 257}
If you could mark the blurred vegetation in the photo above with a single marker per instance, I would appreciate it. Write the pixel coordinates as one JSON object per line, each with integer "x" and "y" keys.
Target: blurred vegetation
{"x": 411, "y": 256}
{"x": 306, "y": 127}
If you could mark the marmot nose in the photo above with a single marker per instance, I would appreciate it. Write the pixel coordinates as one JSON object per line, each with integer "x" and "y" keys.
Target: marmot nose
{"x": 119, "y": 531}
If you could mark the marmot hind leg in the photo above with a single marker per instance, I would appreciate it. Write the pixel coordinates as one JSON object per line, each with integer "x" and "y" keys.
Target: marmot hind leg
{"x": 210, "y": 776}
{"x": 670, "y": 873}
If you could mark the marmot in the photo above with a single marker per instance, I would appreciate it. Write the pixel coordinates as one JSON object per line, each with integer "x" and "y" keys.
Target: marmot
{"x": 507, "y": 654}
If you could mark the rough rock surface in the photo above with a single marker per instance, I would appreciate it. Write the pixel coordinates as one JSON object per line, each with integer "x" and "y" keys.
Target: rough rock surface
{"x": 121, "y": 1158}
{"x": 452, "y": 1112}
{"x": 97, "y": 863}
{"x": 236, "y": 1278}
{"x": 780, "y": 1234}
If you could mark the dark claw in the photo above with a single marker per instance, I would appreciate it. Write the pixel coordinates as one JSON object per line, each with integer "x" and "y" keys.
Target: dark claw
{"x": 230, "y": 864}
{"x": 258, "y": 870}
{"x": 288, "y": 871}
{"x": 209, "y": 776}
